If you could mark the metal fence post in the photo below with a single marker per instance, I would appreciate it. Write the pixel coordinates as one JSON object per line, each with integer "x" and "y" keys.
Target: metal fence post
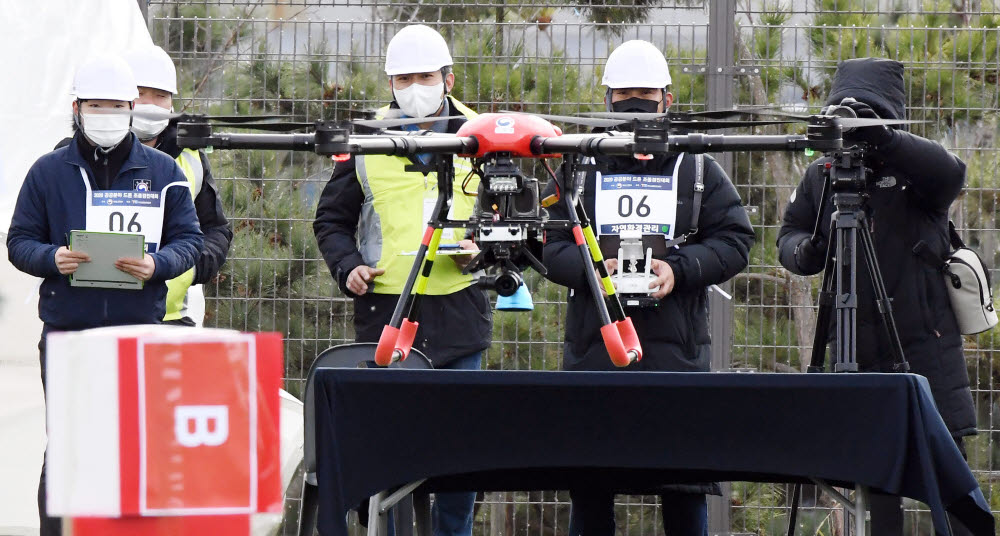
{"x": 719, "y": 85}
{"x": 144, "y": 8}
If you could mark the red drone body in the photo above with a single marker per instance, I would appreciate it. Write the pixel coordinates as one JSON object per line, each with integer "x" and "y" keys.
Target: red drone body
{"x": 508, "y": 133}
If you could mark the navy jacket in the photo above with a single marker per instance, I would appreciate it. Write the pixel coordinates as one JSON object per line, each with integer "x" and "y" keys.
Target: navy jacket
{"x": 52, "y": 202}
{"x": 207, "y": 203}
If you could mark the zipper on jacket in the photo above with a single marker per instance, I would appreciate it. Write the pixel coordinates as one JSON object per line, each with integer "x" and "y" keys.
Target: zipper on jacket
{"x": 982, "y": 299}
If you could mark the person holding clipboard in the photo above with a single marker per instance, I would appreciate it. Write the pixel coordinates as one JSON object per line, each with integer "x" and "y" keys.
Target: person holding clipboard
{"x": 104, "y": 181}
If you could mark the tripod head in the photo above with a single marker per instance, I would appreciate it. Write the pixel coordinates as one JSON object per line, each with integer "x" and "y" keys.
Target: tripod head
{"x": 847, "y": 170}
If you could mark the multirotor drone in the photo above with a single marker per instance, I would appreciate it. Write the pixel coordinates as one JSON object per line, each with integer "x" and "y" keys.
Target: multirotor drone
{"x": 510, "y": 217}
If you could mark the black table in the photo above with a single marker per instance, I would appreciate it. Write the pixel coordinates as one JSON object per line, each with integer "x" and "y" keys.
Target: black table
{"x": 491, "y": 430}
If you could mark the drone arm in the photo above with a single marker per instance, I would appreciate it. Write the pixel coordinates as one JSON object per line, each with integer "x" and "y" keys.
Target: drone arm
{"x": 411, "y": 145}
{"x": 606, "y": 144}
{"x": 227, "y": 140}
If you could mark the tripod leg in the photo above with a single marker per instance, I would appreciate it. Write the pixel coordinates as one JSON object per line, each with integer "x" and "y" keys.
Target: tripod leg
{"x": 826, "y": 294}
{"x": 883, "y": 302}
{"x": 846, "y": 304}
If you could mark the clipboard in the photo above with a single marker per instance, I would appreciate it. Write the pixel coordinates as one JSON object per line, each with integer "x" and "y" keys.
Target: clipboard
{"x": 104, "y": 249}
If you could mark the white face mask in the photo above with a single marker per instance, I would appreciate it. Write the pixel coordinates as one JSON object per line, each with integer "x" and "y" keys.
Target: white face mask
{"x": 419, "y": 100}
{"x": 146, "y": 128}
{"x": 105, "y": 130}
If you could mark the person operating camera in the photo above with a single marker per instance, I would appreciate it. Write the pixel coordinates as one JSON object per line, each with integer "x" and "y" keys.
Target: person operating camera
{"x": 912, "y": 183}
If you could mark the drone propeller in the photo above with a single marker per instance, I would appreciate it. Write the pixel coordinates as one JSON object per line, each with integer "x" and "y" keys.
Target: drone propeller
{"x": 576, "y": 120}
{"x": 844, "y": 122}
{"x": 402, "y": 121}
{"x": 854, "y": 122}
{"x": 621, "y": 119}
{"x": 625, "y": 116}
{"x": 274, "y": 127}
{"x": 158, "y": 115}
{"x": 674, "y": 116}
{"x": 711, "y": 125}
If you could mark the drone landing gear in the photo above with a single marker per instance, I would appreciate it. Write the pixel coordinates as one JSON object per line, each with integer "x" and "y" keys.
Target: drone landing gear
{"x": 618, "y": 332}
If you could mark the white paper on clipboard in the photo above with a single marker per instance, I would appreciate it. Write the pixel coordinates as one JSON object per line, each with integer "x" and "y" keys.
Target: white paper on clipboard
{"x": 104, "y": 249}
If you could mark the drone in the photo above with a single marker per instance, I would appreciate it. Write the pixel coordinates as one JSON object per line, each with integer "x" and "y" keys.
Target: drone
{"x": 510, "y": 215}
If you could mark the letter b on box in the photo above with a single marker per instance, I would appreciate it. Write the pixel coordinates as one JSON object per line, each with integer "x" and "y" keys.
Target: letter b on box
{"x": 195, "y": 426}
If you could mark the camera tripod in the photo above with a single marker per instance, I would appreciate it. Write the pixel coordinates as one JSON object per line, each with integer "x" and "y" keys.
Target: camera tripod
{"x": 847, "y": 178}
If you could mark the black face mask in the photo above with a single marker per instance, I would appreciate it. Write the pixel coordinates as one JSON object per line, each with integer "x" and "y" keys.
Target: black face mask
{"x": 635, "y": 105}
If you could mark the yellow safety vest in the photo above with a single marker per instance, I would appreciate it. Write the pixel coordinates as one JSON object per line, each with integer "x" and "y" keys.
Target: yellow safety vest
{"x": 190, "y": 162}
{"x": 394, "y": 217}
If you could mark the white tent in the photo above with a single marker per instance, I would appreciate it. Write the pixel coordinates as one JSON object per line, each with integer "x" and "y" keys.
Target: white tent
{"x": 41, "y": 44}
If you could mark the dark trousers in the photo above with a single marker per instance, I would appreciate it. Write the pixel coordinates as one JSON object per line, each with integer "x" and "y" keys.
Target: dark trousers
{"x": 593, "y": 513}
{"x": 48, "y": 526}
{"x": 887, "y": 511}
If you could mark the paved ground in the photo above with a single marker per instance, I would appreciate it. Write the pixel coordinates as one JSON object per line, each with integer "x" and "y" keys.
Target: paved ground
{"x": 22, "y": 439}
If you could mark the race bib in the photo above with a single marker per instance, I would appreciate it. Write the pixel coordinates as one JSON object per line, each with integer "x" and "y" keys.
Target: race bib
{"x": 643, "y": 203}
{"x": 137, "y": 211}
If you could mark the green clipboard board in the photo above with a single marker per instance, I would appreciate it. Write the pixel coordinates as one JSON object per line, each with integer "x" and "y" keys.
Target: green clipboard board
{"x": 104, "y": 249}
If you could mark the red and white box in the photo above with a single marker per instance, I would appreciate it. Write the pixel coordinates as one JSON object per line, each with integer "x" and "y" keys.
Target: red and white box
{"x": 163, "y": 422}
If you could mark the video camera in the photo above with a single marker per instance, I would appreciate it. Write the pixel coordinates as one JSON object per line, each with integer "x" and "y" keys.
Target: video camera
{"x": 842, "y": 110}
{"x": 847, "y": 170}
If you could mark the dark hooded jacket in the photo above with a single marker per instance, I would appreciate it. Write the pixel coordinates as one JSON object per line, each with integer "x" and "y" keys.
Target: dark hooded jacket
{"x": 674, "y": 335}
{"x": 914, "y": 182}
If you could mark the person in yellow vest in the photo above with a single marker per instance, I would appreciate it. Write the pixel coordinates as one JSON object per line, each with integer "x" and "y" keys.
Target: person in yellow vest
{"x": 373, "y": 210}
{"x": 157, "y": 80}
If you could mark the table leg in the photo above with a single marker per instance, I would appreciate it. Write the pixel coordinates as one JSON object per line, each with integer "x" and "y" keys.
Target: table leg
{"x": 377, "y": 522}
{"x": 860, "y": 509}
{"x": 422, "y": 513}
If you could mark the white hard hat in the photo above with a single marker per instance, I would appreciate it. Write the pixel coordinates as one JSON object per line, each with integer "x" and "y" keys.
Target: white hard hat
{"x": 105, "y": 77}
{"x": 152, "y": 67}
{"x": 416, "y": 49}
{"x": 636, "y": 64}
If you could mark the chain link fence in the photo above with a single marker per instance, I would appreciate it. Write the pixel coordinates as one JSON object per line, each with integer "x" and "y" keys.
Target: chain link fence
{"x": 312, "y": 59}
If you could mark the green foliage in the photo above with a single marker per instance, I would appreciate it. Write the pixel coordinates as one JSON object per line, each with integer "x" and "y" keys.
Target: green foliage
{"x": 192, "y": 28}
{"x": 495, "y": 83}
{"x": 613, "y": 16}
{"x": 511, "y": 79}
{"x": 951, "y": 64}
{"x": 356, "y": 88}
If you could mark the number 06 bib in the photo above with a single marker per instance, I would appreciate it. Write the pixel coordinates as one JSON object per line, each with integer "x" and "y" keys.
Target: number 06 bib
{"x": 644, "y": 203}
{"x": 137, "y": 211}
